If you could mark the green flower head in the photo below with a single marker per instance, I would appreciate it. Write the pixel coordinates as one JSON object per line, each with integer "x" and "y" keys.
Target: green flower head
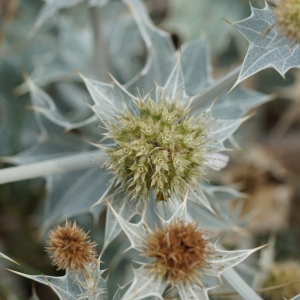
{"x": 160, "y": 147}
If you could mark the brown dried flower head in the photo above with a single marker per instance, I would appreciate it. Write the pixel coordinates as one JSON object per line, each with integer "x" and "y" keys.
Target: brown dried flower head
{"x": 288, "y": 18}
{"x": 179, "y": 251}
{"x": 70, "y": 248}
{"x": 280, "y": 273}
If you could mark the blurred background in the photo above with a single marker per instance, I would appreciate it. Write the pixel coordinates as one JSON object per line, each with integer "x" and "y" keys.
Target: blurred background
{"x": 50, "y": 45}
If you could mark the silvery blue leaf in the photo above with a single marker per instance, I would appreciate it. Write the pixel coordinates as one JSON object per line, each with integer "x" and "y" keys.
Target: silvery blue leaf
{"x": 73, "y": 193}
{"x": 267, "y": 47}
{"x": 222, "y": 260}
{"x": 144, "y": 285}
{"x": 99, "y": 3}
{"x": 121, "y": 291}
{"x": 187, "y": 19}
{"x": 44, "y": 104}
{"x": 160, "y": 55}
{"x": 238, "y": 103}
{"x": 125, "y": 57}
{"x": 196, "y": 67}
{"x": 68, "y": 287}
{"x": 134, "y": 232}
{"x": 125, "y": 209}
{"x": 221, "y": 199}
{"x": 51, "y": 7}
{"x": 174, "y": 87}
{"x": 192, "y": 291}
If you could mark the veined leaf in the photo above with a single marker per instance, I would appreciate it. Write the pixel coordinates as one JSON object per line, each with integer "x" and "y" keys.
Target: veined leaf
{"x": 51, "y": 7}
{"x": 124, "y": 209}
{"x": 145, "y": 285}
{"x": 69, "y": 286}
{"x": 267, "y": 46}
{"x": 192, "y": 291}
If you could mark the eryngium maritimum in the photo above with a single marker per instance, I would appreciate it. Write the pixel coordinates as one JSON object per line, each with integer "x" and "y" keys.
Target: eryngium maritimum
{"x": 288, "y": 19}
{"x": 70, "y": 248}
{"x": 160, "y": 147}
{"x": 159, "y": 141}
{"x": 179, "y": 250}
{"x": 281, "y": 273}
{"x": 178, "y": 253}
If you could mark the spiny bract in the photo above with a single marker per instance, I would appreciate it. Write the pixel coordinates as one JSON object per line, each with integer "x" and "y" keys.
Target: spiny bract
{"x": 288, "y": 19}
{"x": 160, "y": 148}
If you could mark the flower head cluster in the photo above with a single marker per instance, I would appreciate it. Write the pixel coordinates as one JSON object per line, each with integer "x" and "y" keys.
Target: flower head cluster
{"x": 280, "y": 273}
{"x": 288, "y": 19}
{"x": 159, "y": 148}
{"x": 179, "y": 251}
{"x": 70, "y": 248}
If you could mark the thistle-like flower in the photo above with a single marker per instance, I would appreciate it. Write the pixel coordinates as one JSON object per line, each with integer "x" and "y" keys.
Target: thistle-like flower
{"x": 179, "y": 250}
{"x": 70, "y": 248}
{"x": 179, "y": 253}
{"x": 281, "y": 273}
{"x": 159, "y": 147}
{"x": 288, "y": 19}
{"x": 158, "y": 141}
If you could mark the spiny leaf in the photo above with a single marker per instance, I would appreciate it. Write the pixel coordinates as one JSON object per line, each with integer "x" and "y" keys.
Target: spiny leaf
{"x": 73, "y": 193}
{"x": 135, "y": 232}
{"x": 192, "y": 291}
{"x": 267, "y": 46}
{"x": 51, "y": 7}
{"x": 44, "y": 104}
{"x": 145, "y": 285}
{"x": 68, "y": 287}
{"x": 125, "y": 209}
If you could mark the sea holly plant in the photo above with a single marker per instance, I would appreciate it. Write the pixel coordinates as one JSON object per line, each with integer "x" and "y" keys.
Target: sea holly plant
{"x": 180, "y": 76}
{"x": 273, "y": 36}
{"x": 180, "y": 254}
{"x": 161, "y": 130}
{"x": 70, "y": 249}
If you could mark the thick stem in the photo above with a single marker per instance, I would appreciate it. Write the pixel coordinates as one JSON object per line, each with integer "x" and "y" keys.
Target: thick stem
{"x": 238, "y": 283}
{"x": 100, "y": 51}
{"x": 215, "y": 89}
{"x": 52, "y": 166}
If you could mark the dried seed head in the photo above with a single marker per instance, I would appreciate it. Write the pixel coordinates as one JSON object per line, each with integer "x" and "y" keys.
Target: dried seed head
{"x": 288, "y": 19}
{"x": 70, "y": 248}
{"x": 159, "y": 148}
{"x": 280, "y": 273}
{"x": 248, "y": 176}
{"x": 179, "y": 252}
